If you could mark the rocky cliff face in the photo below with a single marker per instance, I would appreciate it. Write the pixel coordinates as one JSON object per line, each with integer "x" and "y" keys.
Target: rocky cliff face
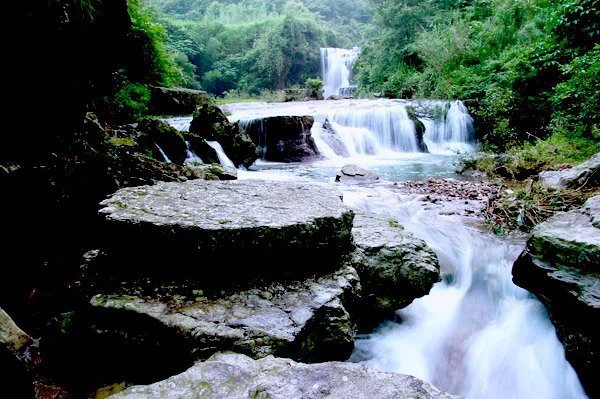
{"x": 561, "y": 267}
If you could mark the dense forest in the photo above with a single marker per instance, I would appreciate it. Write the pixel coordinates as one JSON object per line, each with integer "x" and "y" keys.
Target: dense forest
{"x": 257, "y": 45}
{"x": 533, "y": 66}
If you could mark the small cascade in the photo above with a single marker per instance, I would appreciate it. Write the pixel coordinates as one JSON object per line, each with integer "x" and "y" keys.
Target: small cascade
{"x": 191, "y": 156}
{"x": 258, "y": 126}
{"x": 162, "y": 153}
{"x": 453, "y": 131}
{"x": 223, "y": 158}
{"x": 336, "y": 66}
{"x": 373, "y": 130}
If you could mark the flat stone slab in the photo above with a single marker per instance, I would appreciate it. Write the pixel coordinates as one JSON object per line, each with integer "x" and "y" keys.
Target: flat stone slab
{"x": 304, "y": 319}
{"x": 355, "y": 174}
{"x": 231, "y": 215}
{"x": 235, "y": 376}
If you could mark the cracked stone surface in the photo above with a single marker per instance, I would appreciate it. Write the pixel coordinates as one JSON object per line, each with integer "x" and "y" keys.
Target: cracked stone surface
{"x": 231, "y": 214}
{"x": 305, "y": 319}
{"x": 235, "y": 376}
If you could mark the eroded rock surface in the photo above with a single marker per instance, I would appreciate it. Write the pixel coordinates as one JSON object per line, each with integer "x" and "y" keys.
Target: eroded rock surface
{"x": 353, "y": 174}
{"x": 176, "y": 100}
{"x": 585, "y": 174}
{"x": 304, "y": 319}
{"x": 199, "y": 215}
{"x": 236, "y": 376}
{"x": 562, "y": 266}
{"x": 394, "y": 267}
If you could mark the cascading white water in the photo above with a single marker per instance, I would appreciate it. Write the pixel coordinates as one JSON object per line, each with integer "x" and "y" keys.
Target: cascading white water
{"x": 191, "y": 156}
{"x": 373, "y": 130}
{"x": 223, "y": 158}
{"x": 259, "y": 126}
{"x": 476, "y": 334}
{"x": 452, "y": 131}
{"x": 162, "y": 153}
{"x": 336, "y": 67}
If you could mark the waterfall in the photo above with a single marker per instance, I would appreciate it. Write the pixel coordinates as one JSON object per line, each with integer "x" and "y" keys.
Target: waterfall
{"x": 370, "y": 131}
{"x": 257, "y": 125}
{"x": 162, "y": 153}
{"x": 223, "y": 158}
{"x": 336, "y": 66}
{"x": 475, "y": 334}
{"x": 191, "y": 156}
{"x": 453, "y": 131}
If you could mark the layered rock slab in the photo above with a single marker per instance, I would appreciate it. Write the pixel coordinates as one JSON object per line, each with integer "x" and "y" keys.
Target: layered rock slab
{"x": 236, "y": 376}
{"x": 252, "y": 224}
{"x": 561, "y": 266}
{"x": 305, "y": 319}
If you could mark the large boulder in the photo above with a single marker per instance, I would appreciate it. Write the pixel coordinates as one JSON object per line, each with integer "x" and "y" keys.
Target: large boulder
{"x": 283, "y": 138}
{"x": 353, "y": 174}
{"x": 211, "y": 124}
{"x": 582, "y": 175}
{"x": 394, "y": 267}
{"x": 304, "y": 319}
{"x": 156, "y": 135}
{"x": 561, "y": 266}
{"x": 236, "y": 376}
{"x": 176, "y": 100}
{"x": 199, "y": 217}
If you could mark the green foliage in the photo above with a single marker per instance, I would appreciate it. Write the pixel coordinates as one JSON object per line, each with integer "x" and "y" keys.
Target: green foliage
{"x": 256, "y": 45}
{"x": 160, "y": 66}
{"x": 314, "y": 84}
{"x": 530, "y": 66}
{"x": 131, "y": 102}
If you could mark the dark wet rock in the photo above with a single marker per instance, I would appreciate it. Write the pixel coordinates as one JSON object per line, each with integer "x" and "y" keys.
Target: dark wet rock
{"x": 154, "y": 132}
{"x": 302, "y": 95}
{"x": 305, "y": 319}
{"x": 419, "y": 127}
{"x": 394, "y": 267}
{"x": 211, "y": 124}
{"x": 333, "y": 140}
{"x": 236, "y": 376}
{"x": 561, "y": 266}
{"x": 201, "y": 148}
{"x": 283, "y": 138}
{"x": 352, "y": 174}
{"x": 176, "y": 100}
{"x": 583, "y": 175}
{"x": 214, "y": 171}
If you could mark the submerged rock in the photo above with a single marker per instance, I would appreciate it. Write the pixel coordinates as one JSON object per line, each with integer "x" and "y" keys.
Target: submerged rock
{"x": 176, "y": 100}
{"x": 561, "y": 266}
{"x": 283, "y": 138}
{"x": 236, "y": 376}
{"x": 353, "y": 174}
{"x": 394, "y": 267}
{"x": 211, "y": 124}
{"x": 304, "y": 319}
{"x": 582, "y": 175}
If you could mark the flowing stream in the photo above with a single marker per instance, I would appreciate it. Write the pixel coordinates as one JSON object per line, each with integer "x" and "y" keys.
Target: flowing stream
{"x": 475, "y": 334}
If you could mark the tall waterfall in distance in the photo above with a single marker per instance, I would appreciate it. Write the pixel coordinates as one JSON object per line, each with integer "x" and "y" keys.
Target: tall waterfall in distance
{"x": 336, "y": 66}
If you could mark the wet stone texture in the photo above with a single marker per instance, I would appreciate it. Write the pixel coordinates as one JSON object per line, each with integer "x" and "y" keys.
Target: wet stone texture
{"x": 394, "y": 267}
{"x": 236, "y": 376}
{"x": 561, "y": 266}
